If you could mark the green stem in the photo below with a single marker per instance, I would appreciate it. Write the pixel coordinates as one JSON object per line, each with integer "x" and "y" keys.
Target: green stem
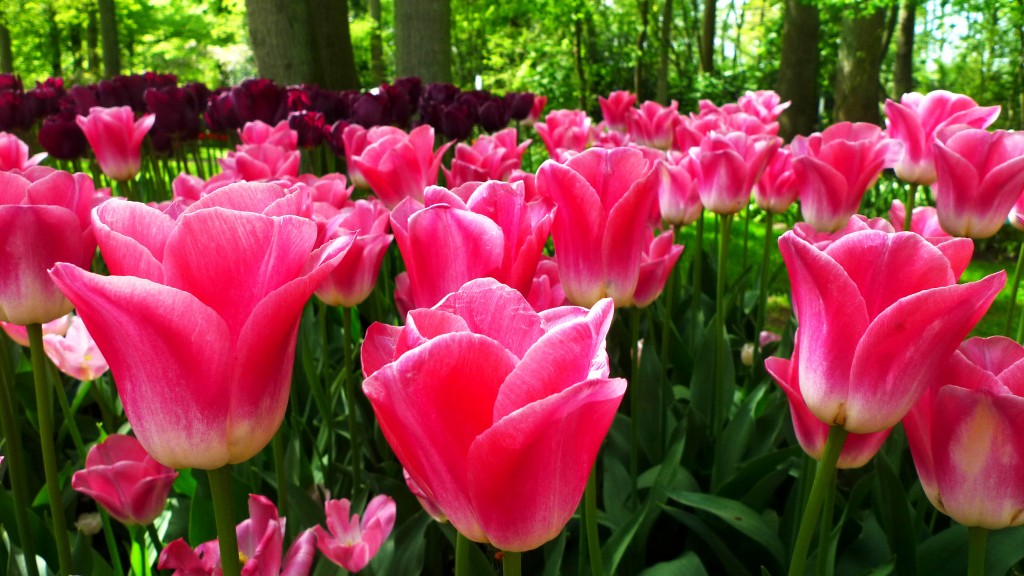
{"x": 634, "y": 408}
{"x": 717, "y": 411}
{"x": 977, "y": 539}
{"x": 140, "y": 537}
{"x": 911, "y": 198}
{"x": 108, "y": 535}
{"x": 825, "y": 537}
{"x": 220, "y": 487}
{"x": 155, "y": 538}
{"x": 825, "y": 470}
{"x": 44, "y": 409}
{"x": 511, "y": 563}
{"x": 462, "y": 545}
{"x": 277, "y": 445}
{"x": 698, "y": 262}
{"x": 590, "y": 512}
{"x": 69, "y": 415}
{"x": 762, "y": 296}
{"x": 16, "y": 457}
{"x": 746, "y": 235}
{"x": 350, "y": 392}
{"x": 1014, "y": 287}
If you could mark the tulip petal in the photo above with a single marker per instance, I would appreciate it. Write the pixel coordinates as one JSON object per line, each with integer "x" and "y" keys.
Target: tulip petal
{"x": 378, "y": 347}
{"x": 132, "y": 237}
{"x": 497, "y": 311}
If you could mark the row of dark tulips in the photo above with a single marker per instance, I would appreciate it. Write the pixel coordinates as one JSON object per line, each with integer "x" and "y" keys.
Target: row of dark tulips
{"x": 480, "y": 378}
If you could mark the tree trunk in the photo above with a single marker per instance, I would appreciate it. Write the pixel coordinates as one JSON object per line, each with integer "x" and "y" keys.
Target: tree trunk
{"x": 663, "y": 52}
{"x": 798, "y": 69}
{"x": 707, "y": 39}
{"x": 903, "y": 66}
{"x": 376, "y": 46}
{"x": 6, "y": 54}
{"x": 857, "y": 86}
{"x": 423, "y": 39}
{"x": 53, "y": 34}
{"x": 111, "y": 49}
{"x": 641, "y": 45}
{"x": 332, "y": 49}
{"x": 77, "y": 60}
{"x": 92, "y": 42}
{"x": 577, "y": 53}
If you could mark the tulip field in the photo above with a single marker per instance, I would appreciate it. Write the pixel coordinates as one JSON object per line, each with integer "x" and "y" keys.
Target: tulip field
{"x": 273, "y": 330}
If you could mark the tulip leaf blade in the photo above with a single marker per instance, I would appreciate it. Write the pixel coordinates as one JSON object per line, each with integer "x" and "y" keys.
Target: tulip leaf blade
{"x": 735, "y": 514}
{"x": 686, "y": 565}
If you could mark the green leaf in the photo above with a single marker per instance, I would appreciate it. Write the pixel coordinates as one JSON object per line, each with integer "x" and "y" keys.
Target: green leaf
{"x": 686, "y": 565}
{"x": 896, "y": 517}
{"x": 737, "y": 515}
{"x": 407, "y": 546}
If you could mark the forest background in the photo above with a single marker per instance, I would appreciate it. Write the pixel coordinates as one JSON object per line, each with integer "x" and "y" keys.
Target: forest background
{"x": 834, "y": 59}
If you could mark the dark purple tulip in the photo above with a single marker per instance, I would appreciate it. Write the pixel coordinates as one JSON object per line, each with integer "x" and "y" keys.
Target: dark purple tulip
{"x": 176, "y": 115}
{"x": 411, "y": 86}
{"x": 10, "y": 110}
{"x": 493, "y": 114}
{"x": 112, "y": 94}
{"x": 221, "y": 115}
{"x": 456, "y": 122}
{"x": 10, "y": 83}
{"x": 61, "y": 137}
{"x": 331, "y": 104}
{"x": 369, "y": 110}
{"x": 297, "y": 97}
{"x": 519, "y": 104}
{"x": 333, "y": 136}
{"x": 43, "y": 100}
{"x": 309, "y": 126}
{"x": 259, "y": 99}
{"x": 199, "y": 94}
{"x": 134, "y": 87}
{"x": 439, "y": 93}
{"x": 83, "y": 97}
{"x": 399, "y": 103}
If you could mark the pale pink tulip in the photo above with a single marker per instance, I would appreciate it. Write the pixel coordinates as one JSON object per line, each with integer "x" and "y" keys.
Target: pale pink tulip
{"x": 76, "y": 354}
{"x": 19, "y": 334}
{"x": 116, "y": 138}
{"x": 352, "y": 542}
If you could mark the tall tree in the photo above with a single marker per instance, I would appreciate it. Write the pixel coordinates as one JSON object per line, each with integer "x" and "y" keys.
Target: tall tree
{"x": 92, "y": 41}
{"x": 707, "y": 38}
{"x": 663, "y": 52}
{"x": 111, "y": 46}
{"x": 333, "y": 52}
{"x": 55, "y": 44}
{"x": 798, "y": 69}
{"x": 6, "y": 53}
{"x": 376, "y": 46}
{"x": 641, "y": 45}
{"x": 423, "y": 39}
{"x": 903, "y": 65}
{"x": 857, "y": 87}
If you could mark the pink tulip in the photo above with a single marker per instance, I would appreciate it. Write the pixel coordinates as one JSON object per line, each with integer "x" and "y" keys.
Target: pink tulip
{"x": 14, "y": 154}
{"x": 603, "y": 200}
{"x": 128, "y": 482}
{"x": 496, "y": 411}
{"x": 351, "y": 282}
{"x": 678, "y": 198}
{"x": 43, "y": 222}
{"x": 965, "y": 435}
{"x": 351, "y": 542}
{"x": 914, "y": 122}
{"x": 474, "y": 231}
{"x": 489, "y": 158}
{"x": 878, "y": 313}
{"x": 656, "y": 263}
{"x": 565, "y": 131}
{"x": 75, "y": 354}
{"x": 980, "y": 175}
{"x": 200, "y": 317}
{"x": 116, "y": 138}
{"x": 259, "y": 132}
{"x": 811, "y": 433}
{"x": 776, "y": 188}
{"x": 726, "y": 167}
{"x": 616, "y": 109}
{"x": 546, "y": 291}
{"x": 653, "y": 124}
{"x": 356, "y": 139}
{"x": 539, "y": 102}
{"x": 260, "y": 541}
{"x": 428, "y": 505}
{"x": 765, "y": 105}
{"x": 833, "y": 169}
{"x": 399, "y": 167}
{"x": 260, "y": 162}
{"x": 924, "y": 220}
{"x": 20, "y": 333}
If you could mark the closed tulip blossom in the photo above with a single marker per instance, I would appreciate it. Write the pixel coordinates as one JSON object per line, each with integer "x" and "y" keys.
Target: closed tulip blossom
{"x": 352, "y": 542}
{"x": 260, "y": 542}
{"x": 980, "y": 175}
{"x": 43, "y": 222}
{"x": 678, "y": 198}
{"x": 965, "y": 436}
{"x": 565, "y": 131}
{"x": 726, "y": 167}
{"x": 604, "y": 198}
{"x": 397, "y": 167}
{"x": 659, "y": 256}
{"x": 355, "y": 139}
{"x": 915, "y": 120}
{"x": 489, "y": 158}
{"x": 497, "y": 412}
{"x": 280, "y": 135}
{"x": 125, "y": 480}
{"x": 833, "y": 169}
{"x": 14, "y": 154}
{"x": 351, "y": 282}
{"x": 879, "y": 312}
{"x": 616, "y": 109}
{"x": 116, "y": 138}
{"x": 477, "y": 230}
{"x": 776, "y": 189}
{"x": 924, "y": 220}
{"x": 653, "y": 124}
{"x": 200, "y": 316}
{"x": 254, "y": 162}
{"x": 75, "y": 353}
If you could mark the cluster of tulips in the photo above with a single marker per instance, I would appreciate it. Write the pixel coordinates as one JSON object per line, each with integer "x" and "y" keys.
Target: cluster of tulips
{"x": 495, "y": 392}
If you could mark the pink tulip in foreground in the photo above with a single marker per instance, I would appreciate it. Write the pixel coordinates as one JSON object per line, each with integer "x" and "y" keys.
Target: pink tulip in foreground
{"x": 260, "y": 541}
{"x": 116, "y": 139}
{"x": 75, "y": 353}
{"x": 200, "y": 317}
{"x": 43, "y": 222}
{"x": 497, "y": 412}
{"x": 914, "y": 121}
{"x": 127, "y": 481}
{"x": 352, "y": 542}
{"x": 14, "y": 154}
{"x": 966, "y": 438}
{"x": 979, "y": 177}
{"x": 678, "y": 198}
{"x": 604, "y": 198}
{"x": 879, "y": 313}
{"x": 258, "y": 132}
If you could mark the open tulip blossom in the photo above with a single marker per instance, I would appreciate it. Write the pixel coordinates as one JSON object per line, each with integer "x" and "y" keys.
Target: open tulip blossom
{"x": 353, "y": 541}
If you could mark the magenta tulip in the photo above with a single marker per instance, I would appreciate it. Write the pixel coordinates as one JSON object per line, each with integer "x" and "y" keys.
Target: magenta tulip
{"x": 496, "y": 411}
{"x": 565, "y": 131}
{"x": 616, "y": 109}
{"x": 200, "y": 318}
{"x": 966, "y": 438}
{"x": 352, "y": 542}
{"x": 400, "y": 165}
{"x": 116, "y": 138}
{"x": 355, "y": 139}
{"x": 878, "y": 313}
{"x": 604, "y": 198}
{"x": 14, "y": 154}
{"x": 776, "y": 189}
{"x": 678, "y": 198}
{"x": 489, "y": 158}
{"x": 833, "y": 169}
{"x": 653, "y": 124}
{"x": 546, "y": 291}
{"x": 259, "y": 132}
{"x": 659, "y": 257}
{"x": 75, "y": 353}
{"x": 979, "y": 177}
{"x": 914, "y": 122}
{"x": 726, "y": 167}
{"x": 351, "y": 282}
{"x": 260, "y": 541}
{"x": 923, "y": 221}
{"x": 127, "y": 481}
{"x": 474, "y": 231}
{"x": 43, "y": 222}
{"x": 252, "y": 162}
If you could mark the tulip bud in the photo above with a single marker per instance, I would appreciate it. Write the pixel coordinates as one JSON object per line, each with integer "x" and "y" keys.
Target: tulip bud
{"x": 89, "y": 523}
